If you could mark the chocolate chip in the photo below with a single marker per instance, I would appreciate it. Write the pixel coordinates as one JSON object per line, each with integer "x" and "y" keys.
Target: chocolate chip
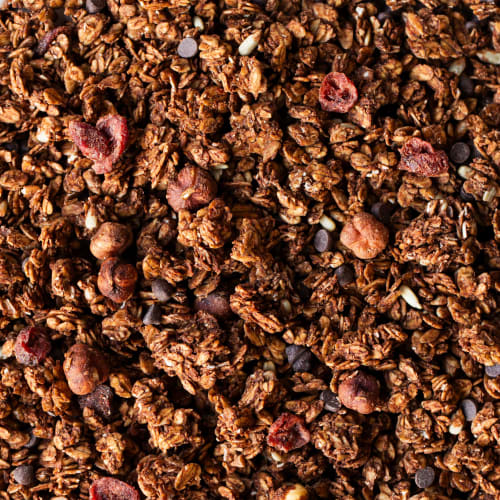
{"x": 459, "y": 153}
{"x": 466, "y": 86}
{"x": 187, "y": 48}
{"x": 323, "y": 241}
{"x": 331, "y": 402}
{"x": 492, "y": 371}
{"x": 465, "y": 195}
{"x": 470, "y": 409}
{"x": 382, "y": 211}
{"x": 386, "y": 14}
{"x": 100, "y": 400}
{"x": 153, "y": 315}
{"x": 11, "y": 146}
{"x": 162, "y": 290}
{"x": 33, "y": 442}
{"x": 425, "y": 477}
{"x": 344, "y": 274}
{"x": 24, "y": 475}
{"x": 94, "y": 6}
{"x": 299, "y": 357}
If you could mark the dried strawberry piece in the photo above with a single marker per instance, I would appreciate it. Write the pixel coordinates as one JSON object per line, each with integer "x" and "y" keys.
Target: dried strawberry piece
{"x": 32, "y": 346}
{"x": 93, "y": 144}
{"x": 109, "y": 488}
{"x": 115, "y": 128}
{"x": 419, "y": 157}
{"x": 288, "y": 432}
{"x": 337, "y": 93}
{"x": 49, "y": 37}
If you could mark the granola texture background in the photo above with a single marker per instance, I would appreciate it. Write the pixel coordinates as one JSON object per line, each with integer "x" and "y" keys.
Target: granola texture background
{"x": 195, "y": 395}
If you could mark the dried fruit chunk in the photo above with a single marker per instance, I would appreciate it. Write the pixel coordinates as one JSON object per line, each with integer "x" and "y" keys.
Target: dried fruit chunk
{"x": 193, "y": 189}
{"x": 115, "y": 128}
{"x": 337, "y": 93}
{"x": 32, "y": 346}
{"x": 288, "y": 432}
{"x": 360, "y": 392}
{"x": 109, "y": 488}
{"x": 116, "y": 279}
{"x": 49, "y": 37}
{"x": 91, "y": 142}
{"x": 110, "y": 240}
{"x": 419, "y": 157}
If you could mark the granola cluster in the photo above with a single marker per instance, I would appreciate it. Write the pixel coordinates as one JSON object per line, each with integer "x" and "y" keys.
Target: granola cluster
{"x": 249, "y": 249}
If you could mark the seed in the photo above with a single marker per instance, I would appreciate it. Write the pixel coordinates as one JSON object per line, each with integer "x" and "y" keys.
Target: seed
{"x": 492, "y": 371}
{"x": 460, "y": 152}
{"x": 489, "y": 56}
{"x": 457, "y": 66}
{"x": 249, "y": 44}
{"x": 382, "y": 211}
{"x": 162, "y": 290}
{"x": 489, "y": 195}
{"x": 153, "y": 315}
{"x": 344, "y": 274}
{"x": 198, "y": 23}
{"x": 465, "y": 172}
{"x": 187, "y": 48}
{"x": 425, "y": 477}
{"x": 470, "y": 409}
{"x": 327, "y": 223}
{"x": 409, "y": 297}
{"x": 24, "y": 475}
{"x": 330, "y": 400}
{"x": 323, "y": 241}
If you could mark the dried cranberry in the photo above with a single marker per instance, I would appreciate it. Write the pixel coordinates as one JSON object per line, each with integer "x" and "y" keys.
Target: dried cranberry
{"x": 115, "y": 128}
{"x": 288, "y": 432}
{"x": 91, "y": 142}
{"x": 419, "y": 157}
{"x": 32, "y": 346}
{"x": 337, "y": 93}
{"x": 49, "y": 37}
{"x": 109, "y": 488}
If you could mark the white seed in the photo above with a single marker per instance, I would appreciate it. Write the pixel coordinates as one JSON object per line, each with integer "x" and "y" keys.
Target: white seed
{"x": 409, "y": 297}
{"x": 457, "y": 66}
{"x": 248, "y": 176}
{"x": 276, "y": 456}
{"x": 286, "y": 306}
{"x": 90, "y": 220}
{"x": 464, "y": 230}
{"x": 42, "y": 136}
{"x": 465, "y": 172}
{"x": 489, "y": 56}
{"x": 455, "y": 429}
{"x": 296, "y": 492}
{"x": 269, "y": 366}
{"x": 198, "y": 23}
{"x": 249, "y": 44}
{"x": 489, "y": 195}
{"x": 327, "y": 223}
{"x": 220, "y": 166}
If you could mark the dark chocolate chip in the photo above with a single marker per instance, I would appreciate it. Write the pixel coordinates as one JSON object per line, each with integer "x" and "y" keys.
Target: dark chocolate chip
{"x": 33, "y": 442}
{"x": 303, "y": 363}
{"x": 10, "y": 146}
{"x": 94, "y": 6}
{"x": 492, "y": 371}
{"x": 187, "y": 48}
{"x": 465, "y": 195}
{"x": 330, "y": 400}
{"x": 344, "y": 274}
{"x": 293, "y": 352}
{"x": 323, "y": 241}
{"x": 382, "y": 211}
{"x": 470, "y": 409}
{"x": 153, "y": 315}
{"x": 382, "y": 16}
{"x": 24, "y": 475}
{"x": 100, "y": 400}
{"x": 425, "y": 477}
{"x": 466, "y": 86}
{"x": 162, "y": 290}
{"x": 459, "y": 153}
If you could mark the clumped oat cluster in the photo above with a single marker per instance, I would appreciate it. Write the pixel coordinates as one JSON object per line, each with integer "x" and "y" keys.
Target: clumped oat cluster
{"x": 249, "y": 249}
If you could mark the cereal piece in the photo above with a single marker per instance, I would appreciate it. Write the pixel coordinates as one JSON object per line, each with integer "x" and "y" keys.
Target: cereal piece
{"x": 337, "y": 93}
{"x": 419, "y": 157}
{"x": 110, "y": 240}
{"x": 32, "y": 346}
{"x": 365, "y": 236}
{"x": 288, "y": 432}
{"x": 109, "y": 488}
{"x": 117, "y": 280}
{"x": 85, "y": 368}
{"x": 360, "y": 392}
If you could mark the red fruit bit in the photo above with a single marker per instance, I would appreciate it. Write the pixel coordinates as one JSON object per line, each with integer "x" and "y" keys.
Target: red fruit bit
{"x": 49, "y": 37}
{"x": 109, "y": 488}
{"x": 32, "y": 346}
{"x": 419, "y": 157}
{"x": 288, "y": 432}
{"x": 91, "y": 142}
{"x": 115, "y": 128}
{"x": 337, "y": 93}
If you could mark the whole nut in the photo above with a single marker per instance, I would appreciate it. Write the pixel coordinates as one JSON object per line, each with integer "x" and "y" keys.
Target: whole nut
{"x": 116, "y": 279}
{"x": 365, "y": 236}
{"x": 193, "y": 189}
{"x": 360, "y": 392}
{"x": 291, "y": 492}
{"x": 85, "y": 368}
{"x": 110, "y": 240}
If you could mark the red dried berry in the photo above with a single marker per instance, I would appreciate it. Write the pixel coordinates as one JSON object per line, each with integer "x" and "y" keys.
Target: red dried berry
{"x": 337, "y": 93}
{"x": 49, "y": 37}
{"x": 109, "y": 488}
{"x": 91, "y": 142}
{"x": 115, "y": 128}
{"x": 32, "y": 346}
{"x": 419, "y": 157}
{"x": 288, "y": 432}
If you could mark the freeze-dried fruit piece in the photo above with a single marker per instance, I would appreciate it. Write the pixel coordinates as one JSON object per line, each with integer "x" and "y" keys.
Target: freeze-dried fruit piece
{"x": 115, "y": 128}
{"x": 100, "y": 400}
{"x": 32, "y": 346}
{"x": 337, "y": 93}
{"x": 288, "y": 432}
{"x": 360, "y": 392}
{"x": 419, "y": 157}
{"x": 193, "y": 189}
{"x": 93, "y": 144}
{"x": 109, "y": 488}
{"x": 116, "y": 279}
{"x": 49, "y": 37}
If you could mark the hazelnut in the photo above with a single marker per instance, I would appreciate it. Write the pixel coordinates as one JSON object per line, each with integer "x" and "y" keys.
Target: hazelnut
{"x": 360, "y": 392}
{"x": 365, "y": 236}
{"x": 215, "y": 303}
{"x": 193, "y": 189}
{"x": 291, "y": 492}
{"x": 110, "y": 240}
{"x": 85, "y": 368}
{"x": 116, "y": 279}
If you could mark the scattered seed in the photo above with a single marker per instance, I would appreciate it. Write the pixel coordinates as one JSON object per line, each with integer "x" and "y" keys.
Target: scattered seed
{"x": 459, "y": 152}
{"x": 187, "y": 48}
{"x": 286, "y": 306}
{"x": 323, "y": 241}
{"x": 425, "y": 477}
{"x": 470, "y": 409}
{"x": 465, "y": 172}
{"x": 249, "y": 44}
{"x": 409, "y": 297}
{"x": 327, "y": 223}
{"x": 24, "y": 475}
{"x": 153, "y": 315}
{"x": 198, "y": 23}
{"x": 489, "y": 195}
{"x": 489, "y": 56}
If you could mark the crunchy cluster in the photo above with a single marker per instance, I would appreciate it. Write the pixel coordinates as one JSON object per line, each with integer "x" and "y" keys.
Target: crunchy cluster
{"x": 249, "y": 249}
